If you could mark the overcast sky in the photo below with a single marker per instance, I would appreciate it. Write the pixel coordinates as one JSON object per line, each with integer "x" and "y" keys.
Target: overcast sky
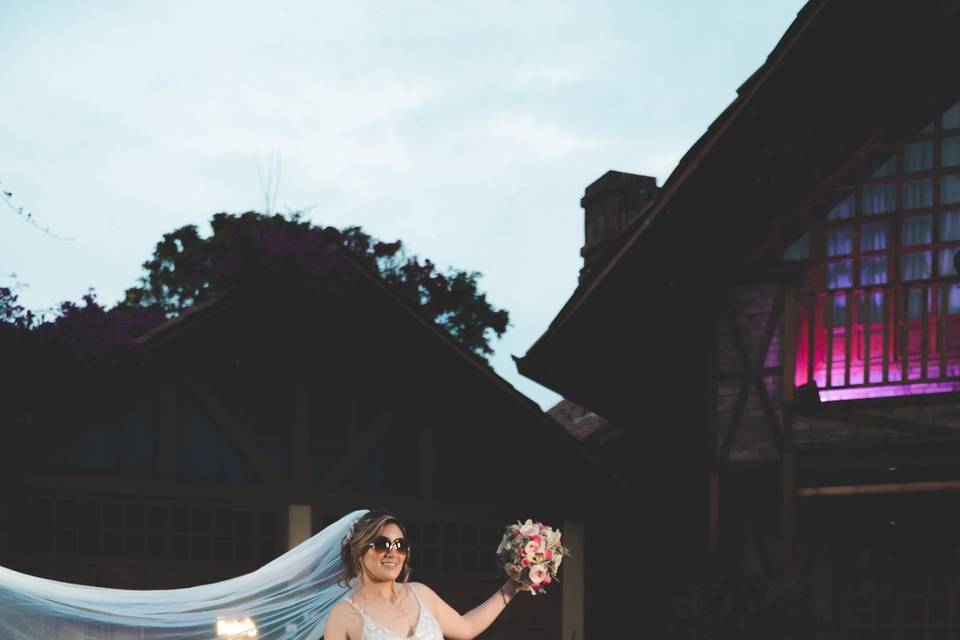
{"x": 467, "y": 129}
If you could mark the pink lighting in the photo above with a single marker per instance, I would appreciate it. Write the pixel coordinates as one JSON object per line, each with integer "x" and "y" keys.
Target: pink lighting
{"x": 889, "y": 391}
{"x": 879, "y": 342}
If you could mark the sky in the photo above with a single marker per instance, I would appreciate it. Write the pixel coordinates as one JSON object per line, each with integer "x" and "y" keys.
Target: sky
{"x": 466, "y": 129}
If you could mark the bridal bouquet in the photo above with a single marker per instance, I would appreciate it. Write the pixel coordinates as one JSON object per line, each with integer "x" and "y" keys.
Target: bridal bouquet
{"x": 531, "y": 553}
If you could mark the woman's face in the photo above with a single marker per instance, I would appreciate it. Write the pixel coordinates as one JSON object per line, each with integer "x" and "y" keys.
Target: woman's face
{"x": 381, "y": 566}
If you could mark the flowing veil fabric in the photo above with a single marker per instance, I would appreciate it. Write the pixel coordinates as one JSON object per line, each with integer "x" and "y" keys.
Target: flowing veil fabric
{"x": 288, "y": 599}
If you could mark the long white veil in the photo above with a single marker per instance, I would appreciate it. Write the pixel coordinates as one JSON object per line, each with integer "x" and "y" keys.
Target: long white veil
{"x": 288, "y": 599}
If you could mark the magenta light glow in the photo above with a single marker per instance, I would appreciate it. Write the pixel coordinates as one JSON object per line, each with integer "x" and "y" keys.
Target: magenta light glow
{"x": 889, "y": 391}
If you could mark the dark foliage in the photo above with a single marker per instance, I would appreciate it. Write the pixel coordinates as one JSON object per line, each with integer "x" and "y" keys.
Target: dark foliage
{"x": 58, "y": 364}
{"x": 748, "y": 608}
{"x": 187, "y": 268}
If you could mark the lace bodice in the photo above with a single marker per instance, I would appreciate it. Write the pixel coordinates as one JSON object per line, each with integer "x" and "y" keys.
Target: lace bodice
{"x": 427, "y": 627}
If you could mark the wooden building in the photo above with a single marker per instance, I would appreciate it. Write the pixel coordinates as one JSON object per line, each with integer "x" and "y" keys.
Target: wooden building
{"x": 776, "y": 332}
{"x": 265, "y": 413}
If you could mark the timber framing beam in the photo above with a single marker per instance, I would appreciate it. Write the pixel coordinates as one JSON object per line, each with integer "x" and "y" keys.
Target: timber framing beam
{"x": 917, "y": 428}
{"x": 941, "y": 486}
{"x": 300, "y": 429}
{"x": 426, "y": 455}
{"x": 753, "y": 372}
{"x": 359, "y": 447}
{"x": 224, "y": 419}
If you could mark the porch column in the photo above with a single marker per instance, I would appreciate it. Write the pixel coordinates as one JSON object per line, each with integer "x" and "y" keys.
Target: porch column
{"x": 789, "y": 499}
{"x": 299, "y": 521}
{"x": 571, "y": 615}
{"x": 789, "y": 515}
{"x": 713, "y": 521}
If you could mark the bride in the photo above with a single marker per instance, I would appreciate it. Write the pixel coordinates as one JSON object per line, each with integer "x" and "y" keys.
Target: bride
{"x": 349, "y": 580}
{"x": 384, "y": 606}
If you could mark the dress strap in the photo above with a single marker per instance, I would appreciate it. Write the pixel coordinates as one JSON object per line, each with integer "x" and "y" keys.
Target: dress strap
{"x": 414, "y": 592}
{"x": 353, "y": 604}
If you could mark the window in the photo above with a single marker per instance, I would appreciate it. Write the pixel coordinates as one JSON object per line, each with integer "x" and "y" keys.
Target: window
{"x": 884, "y": 307}
{"x": 96, "y": 528}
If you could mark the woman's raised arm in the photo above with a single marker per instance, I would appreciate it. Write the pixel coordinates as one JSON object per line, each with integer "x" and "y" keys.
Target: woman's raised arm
{"x": 475, "y": 621}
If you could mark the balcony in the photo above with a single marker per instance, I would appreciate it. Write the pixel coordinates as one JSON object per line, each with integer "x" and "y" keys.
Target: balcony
{"x": 879, "y": 341}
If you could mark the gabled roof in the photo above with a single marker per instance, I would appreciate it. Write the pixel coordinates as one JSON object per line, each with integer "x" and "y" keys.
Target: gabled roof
{"x": 202, "y": 313}
{"x": 842, "y": 71}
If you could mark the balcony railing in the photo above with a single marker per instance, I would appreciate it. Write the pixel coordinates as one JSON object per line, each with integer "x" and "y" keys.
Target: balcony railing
{"x": 882, "y": 340}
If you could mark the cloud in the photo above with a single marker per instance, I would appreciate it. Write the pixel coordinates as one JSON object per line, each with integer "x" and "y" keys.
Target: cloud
{"x": 550, "y": 76}
{"x": 531, "y": 136}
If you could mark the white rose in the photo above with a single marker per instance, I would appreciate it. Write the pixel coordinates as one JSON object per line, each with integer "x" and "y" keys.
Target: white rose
{"x": 528, "y": 529}
{"x": 553, "y": 538}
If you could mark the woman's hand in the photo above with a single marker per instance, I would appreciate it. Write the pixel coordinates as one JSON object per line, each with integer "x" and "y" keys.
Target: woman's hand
{"x": 511, "y": 588}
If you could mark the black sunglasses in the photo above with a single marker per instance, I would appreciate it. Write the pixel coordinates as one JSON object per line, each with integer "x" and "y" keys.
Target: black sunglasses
{"x": 383, "y": 544}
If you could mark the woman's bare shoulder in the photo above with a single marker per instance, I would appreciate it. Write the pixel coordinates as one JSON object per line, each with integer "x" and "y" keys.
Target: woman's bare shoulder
{"x": 342, "y": 609}
{"x": 426, "y": 594}
{"x": 422, "y": 589}
{"x": 343, "y": 621}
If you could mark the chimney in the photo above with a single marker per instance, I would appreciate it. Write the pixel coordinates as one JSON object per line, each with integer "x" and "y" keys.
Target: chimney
{"x": 610, "y": 204}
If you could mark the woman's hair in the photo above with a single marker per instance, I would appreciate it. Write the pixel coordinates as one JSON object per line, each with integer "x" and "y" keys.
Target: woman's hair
{"x": 364, "y": 531}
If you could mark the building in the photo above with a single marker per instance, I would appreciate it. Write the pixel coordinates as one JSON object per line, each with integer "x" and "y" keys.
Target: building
{"x": 264, "y": 413}
{"x": 776, "y": 334}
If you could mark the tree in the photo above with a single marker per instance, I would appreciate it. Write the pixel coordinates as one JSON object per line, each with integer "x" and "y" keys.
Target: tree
{"x": 187, "y": 268}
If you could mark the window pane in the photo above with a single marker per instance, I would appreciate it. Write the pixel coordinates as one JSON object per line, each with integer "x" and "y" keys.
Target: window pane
{"x": 839, "y": 310}
{"x": 873, "y": 270}
{"x": 873, "y": 237}
{"x": 839, "y": 274}
{"x": 946, "y": 262}
{"x": 954, "y": 304}
{"x": 799, "y": 250}
{"x": 917, "y": 230}
{"x": 918, "y": 156}
{"x": 915, "y": 302}
{"x": 874, "y": 311}
{"x": 882, "y": 165}
{"x": 840, "y": 206}
{"x": 918, "y": 193}
{"x": 951, "y": 117}
{"x": 950, "y": 225}
{"x": 916, "y": 266}
{"x": 840, "y": 241}
{"x": 950, "y": 152}
{"x": 950, "y": 188}
{"x": 879, "y": 198}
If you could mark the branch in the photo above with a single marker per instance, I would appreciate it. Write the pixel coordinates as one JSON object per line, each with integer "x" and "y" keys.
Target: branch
{"x": 27, "y": 217}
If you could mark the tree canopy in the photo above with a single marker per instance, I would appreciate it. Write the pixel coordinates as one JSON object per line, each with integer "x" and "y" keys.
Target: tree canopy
{"x": 187, "y": 268}
{"x": 86, "y": 344}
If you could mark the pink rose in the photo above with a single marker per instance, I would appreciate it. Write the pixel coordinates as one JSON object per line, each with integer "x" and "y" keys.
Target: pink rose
{"x": 548, "y": 554}
{"x": 531, "y": 549}
{"x": 538, "y": 573}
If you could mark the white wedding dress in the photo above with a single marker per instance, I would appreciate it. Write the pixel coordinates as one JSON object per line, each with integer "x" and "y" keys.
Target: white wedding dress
{"x": 287, "y": 599}
{"x": 427, "y": 627}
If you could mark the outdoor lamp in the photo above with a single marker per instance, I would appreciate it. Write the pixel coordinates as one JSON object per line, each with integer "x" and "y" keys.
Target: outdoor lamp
{"x": 237, "y": 628}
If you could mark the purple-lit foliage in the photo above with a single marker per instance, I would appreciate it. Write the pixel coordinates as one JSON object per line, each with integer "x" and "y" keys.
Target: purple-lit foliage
{"x": 64, "y": 360}
{"x": 86, "y": 347}
{"x": 253, "y": 248}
